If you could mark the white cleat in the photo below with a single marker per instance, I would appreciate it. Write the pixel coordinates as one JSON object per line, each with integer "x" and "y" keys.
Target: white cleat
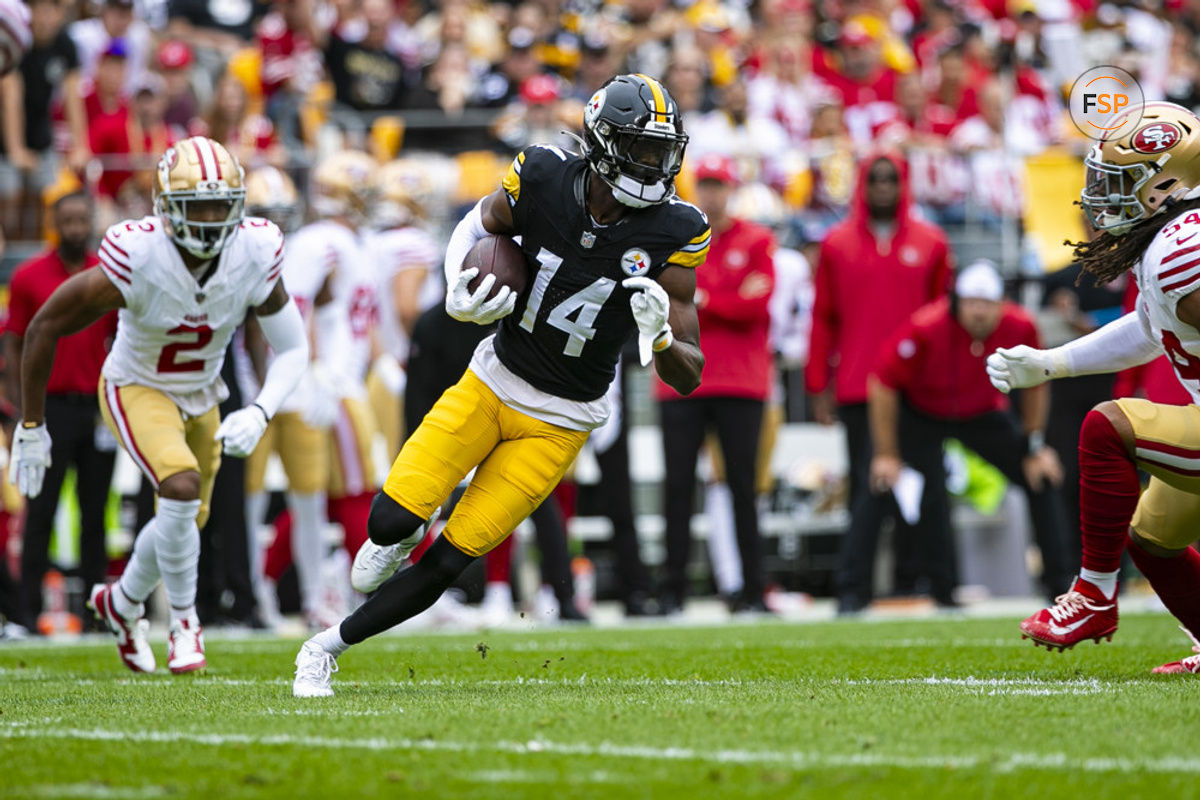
{"x": 132, "y": 646}
{"x": 314, "y": 672}
{"x": 186, "y": 646}
{"x": 374, "y": 564}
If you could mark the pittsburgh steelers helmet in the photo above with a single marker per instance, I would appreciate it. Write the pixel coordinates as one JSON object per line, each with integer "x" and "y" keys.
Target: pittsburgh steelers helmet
{"x": 345, "y": 185}
{"x": 633, "y": 139}
{"x": 200, "y": 195}
{"x": 405, "y": 192}
{"x": 270, "y": 193}
{"x": 1143, "y": 169}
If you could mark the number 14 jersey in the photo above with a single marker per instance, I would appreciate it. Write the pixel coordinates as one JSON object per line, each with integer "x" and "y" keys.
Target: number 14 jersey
{"x": 173, "y": 332}
{"x": 566, "y": 334}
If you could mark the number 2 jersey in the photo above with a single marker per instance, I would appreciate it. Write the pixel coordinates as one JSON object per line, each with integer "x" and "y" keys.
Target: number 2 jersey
{"x": 173, "y": 332}
{"x": 556, "y": 354}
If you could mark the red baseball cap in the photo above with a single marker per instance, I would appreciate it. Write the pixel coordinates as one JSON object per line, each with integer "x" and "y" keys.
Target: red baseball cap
{"x": 174, "y": 54}
{"x": 539, "y": 89}
{"x": 716, "y": 167}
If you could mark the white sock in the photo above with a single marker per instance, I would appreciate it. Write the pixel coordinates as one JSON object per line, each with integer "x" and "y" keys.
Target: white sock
{"x": 140, "y": 575}
{"x": 308, "y": 550}
{"x": 330, "y": 640}
{"x": 256, "y": 511}
{"x": 1106, "y": 582}
{"x": 177, "y": 546}
{"x": 723, "y": 550}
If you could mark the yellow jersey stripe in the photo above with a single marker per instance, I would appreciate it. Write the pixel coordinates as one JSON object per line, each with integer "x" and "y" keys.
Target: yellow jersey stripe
{"x": 512, "y": 179}
{"x": 702, "y": 237}
{"x": 686, "y": 259}
{"x": 660, "y": 104}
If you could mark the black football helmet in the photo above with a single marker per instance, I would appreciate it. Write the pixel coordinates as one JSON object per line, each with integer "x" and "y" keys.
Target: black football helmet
{"x": 633, "y": 138}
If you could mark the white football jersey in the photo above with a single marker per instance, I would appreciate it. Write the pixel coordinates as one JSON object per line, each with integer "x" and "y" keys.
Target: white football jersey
{"x": 1167, "y": 272}
{"x": 173, "y": 332}
{"x": 395, "y": 251}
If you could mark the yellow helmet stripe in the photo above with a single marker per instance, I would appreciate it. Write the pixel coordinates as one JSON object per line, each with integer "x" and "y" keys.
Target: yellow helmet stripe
{"x": 660, "y": 103}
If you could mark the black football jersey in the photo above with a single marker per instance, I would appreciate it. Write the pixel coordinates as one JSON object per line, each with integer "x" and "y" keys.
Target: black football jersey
{"x": 567, "y": 330}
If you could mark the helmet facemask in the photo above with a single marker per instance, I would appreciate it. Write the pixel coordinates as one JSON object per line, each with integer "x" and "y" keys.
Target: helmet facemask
{"x": 640, "y": 164}
{"x": 202, "y": 222}
{"x": 1110, "y": 194}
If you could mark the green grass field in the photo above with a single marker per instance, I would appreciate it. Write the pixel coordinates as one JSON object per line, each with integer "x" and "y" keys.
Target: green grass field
{"x": 926, "y": 709}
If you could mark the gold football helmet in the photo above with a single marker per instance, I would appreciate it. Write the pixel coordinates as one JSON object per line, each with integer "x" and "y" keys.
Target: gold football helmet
{"x": 1131, "y": 176}
{"x": 405, "y": 192}
{"x": 199, "y": 193}
{"x": 344, "y": 185}
{"x": 271, "y": 193}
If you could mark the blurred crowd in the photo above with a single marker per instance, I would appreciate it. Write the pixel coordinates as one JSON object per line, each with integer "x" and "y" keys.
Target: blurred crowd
{"x": 794, "y": 90}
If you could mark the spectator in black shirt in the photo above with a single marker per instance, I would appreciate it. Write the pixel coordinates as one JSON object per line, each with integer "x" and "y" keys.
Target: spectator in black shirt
{"x": 220, "y": 25}
{"x": 366, "y": 75}
{"x": 500, "y": 85}
{"x": 49, "y": 70}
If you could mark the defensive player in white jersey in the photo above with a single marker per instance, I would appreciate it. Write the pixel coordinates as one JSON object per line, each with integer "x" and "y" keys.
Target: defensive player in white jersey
{"x": 1142, "y": 195}
{"x": 405, "y": 258}
{"x": 298, "y": 432}
{"x": 328, "y": 272}
{"x": 183, "y": 280}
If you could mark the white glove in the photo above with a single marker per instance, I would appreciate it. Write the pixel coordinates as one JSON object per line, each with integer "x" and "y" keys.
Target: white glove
{"x": 322, "y": 402}
{"x": 1022, "y": 366}
{"x": 390, "y": 373}
{"x": 466, "y": 306}
{"x": 30, "y": 458}
{"x": 651, "y": 306}
{"x": 241, "y": 430}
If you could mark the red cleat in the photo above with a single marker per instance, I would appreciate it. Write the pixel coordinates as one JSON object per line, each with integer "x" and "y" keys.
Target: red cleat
{"x": 1082, "y": 613}
{"x": 185, "y": 646}
{"x": 1184, "y": 666}
{"x": 132, "y": 646}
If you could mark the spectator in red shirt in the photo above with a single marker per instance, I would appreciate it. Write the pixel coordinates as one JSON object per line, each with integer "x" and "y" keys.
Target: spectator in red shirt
{"x": 733, "y": 290}
{"x": 72, "y": 412}
{"x": 874, "y": 270}
{"x": 930, "y": 384}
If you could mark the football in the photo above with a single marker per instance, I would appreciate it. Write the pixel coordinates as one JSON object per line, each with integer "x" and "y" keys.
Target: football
{"x": 499, "y": 256}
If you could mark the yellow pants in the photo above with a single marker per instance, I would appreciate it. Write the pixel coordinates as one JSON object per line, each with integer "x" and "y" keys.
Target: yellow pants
{"x": 519, "y": 461}
{"x": 388, "y": 410}
{"x": 160, "y": 439}
{"x": 1168, "y": 447}
{"x": 349, "y": 443}
{"x": 302, "y": 449}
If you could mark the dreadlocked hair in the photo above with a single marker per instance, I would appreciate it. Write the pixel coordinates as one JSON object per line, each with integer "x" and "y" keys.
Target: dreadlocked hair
{"x": 1107, "y": 256}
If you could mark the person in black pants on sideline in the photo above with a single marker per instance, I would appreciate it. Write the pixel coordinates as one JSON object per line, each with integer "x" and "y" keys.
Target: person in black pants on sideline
{"x": 78, "y": 437}
{"x": 930, "y": 384}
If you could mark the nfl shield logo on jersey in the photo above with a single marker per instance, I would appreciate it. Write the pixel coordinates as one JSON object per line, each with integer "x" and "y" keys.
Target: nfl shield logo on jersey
{"x": 635, "y": 262}
{"x": 587, "y": 239}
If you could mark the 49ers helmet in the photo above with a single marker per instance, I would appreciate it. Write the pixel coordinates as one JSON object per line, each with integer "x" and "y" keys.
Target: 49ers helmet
{"x": 1141, "y": 171}
{"x": 633, "y": 139}
{"x": 270, "y": 193}
{"x": 405, "y": 193}
{"x": 344, "y": 185}
{"x": 199, "y": 175}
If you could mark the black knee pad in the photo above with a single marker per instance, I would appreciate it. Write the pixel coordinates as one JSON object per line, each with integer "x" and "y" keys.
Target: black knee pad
{"x": 390, "y": 522}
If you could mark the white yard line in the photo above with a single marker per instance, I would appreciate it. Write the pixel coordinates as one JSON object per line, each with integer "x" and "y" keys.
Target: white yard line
{"x": 1012, "y": 762}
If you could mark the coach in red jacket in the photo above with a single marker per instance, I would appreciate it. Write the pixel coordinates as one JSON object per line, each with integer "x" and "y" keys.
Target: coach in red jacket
{"x": 930, "y": 384}
{"x": 733, "y": 289}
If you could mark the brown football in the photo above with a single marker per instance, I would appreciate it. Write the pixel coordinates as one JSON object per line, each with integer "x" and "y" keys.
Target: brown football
{"x": 499, "y": 256}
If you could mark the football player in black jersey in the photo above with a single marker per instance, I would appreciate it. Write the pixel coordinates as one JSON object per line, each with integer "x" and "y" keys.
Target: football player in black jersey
{"x": 611, "y": 252}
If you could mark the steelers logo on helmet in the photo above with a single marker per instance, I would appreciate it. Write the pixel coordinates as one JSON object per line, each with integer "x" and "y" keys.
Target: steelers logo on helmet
{"x": 635, "y": 261}
{"x": 200, "y": 195}
{"x": 634, "y": 140}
